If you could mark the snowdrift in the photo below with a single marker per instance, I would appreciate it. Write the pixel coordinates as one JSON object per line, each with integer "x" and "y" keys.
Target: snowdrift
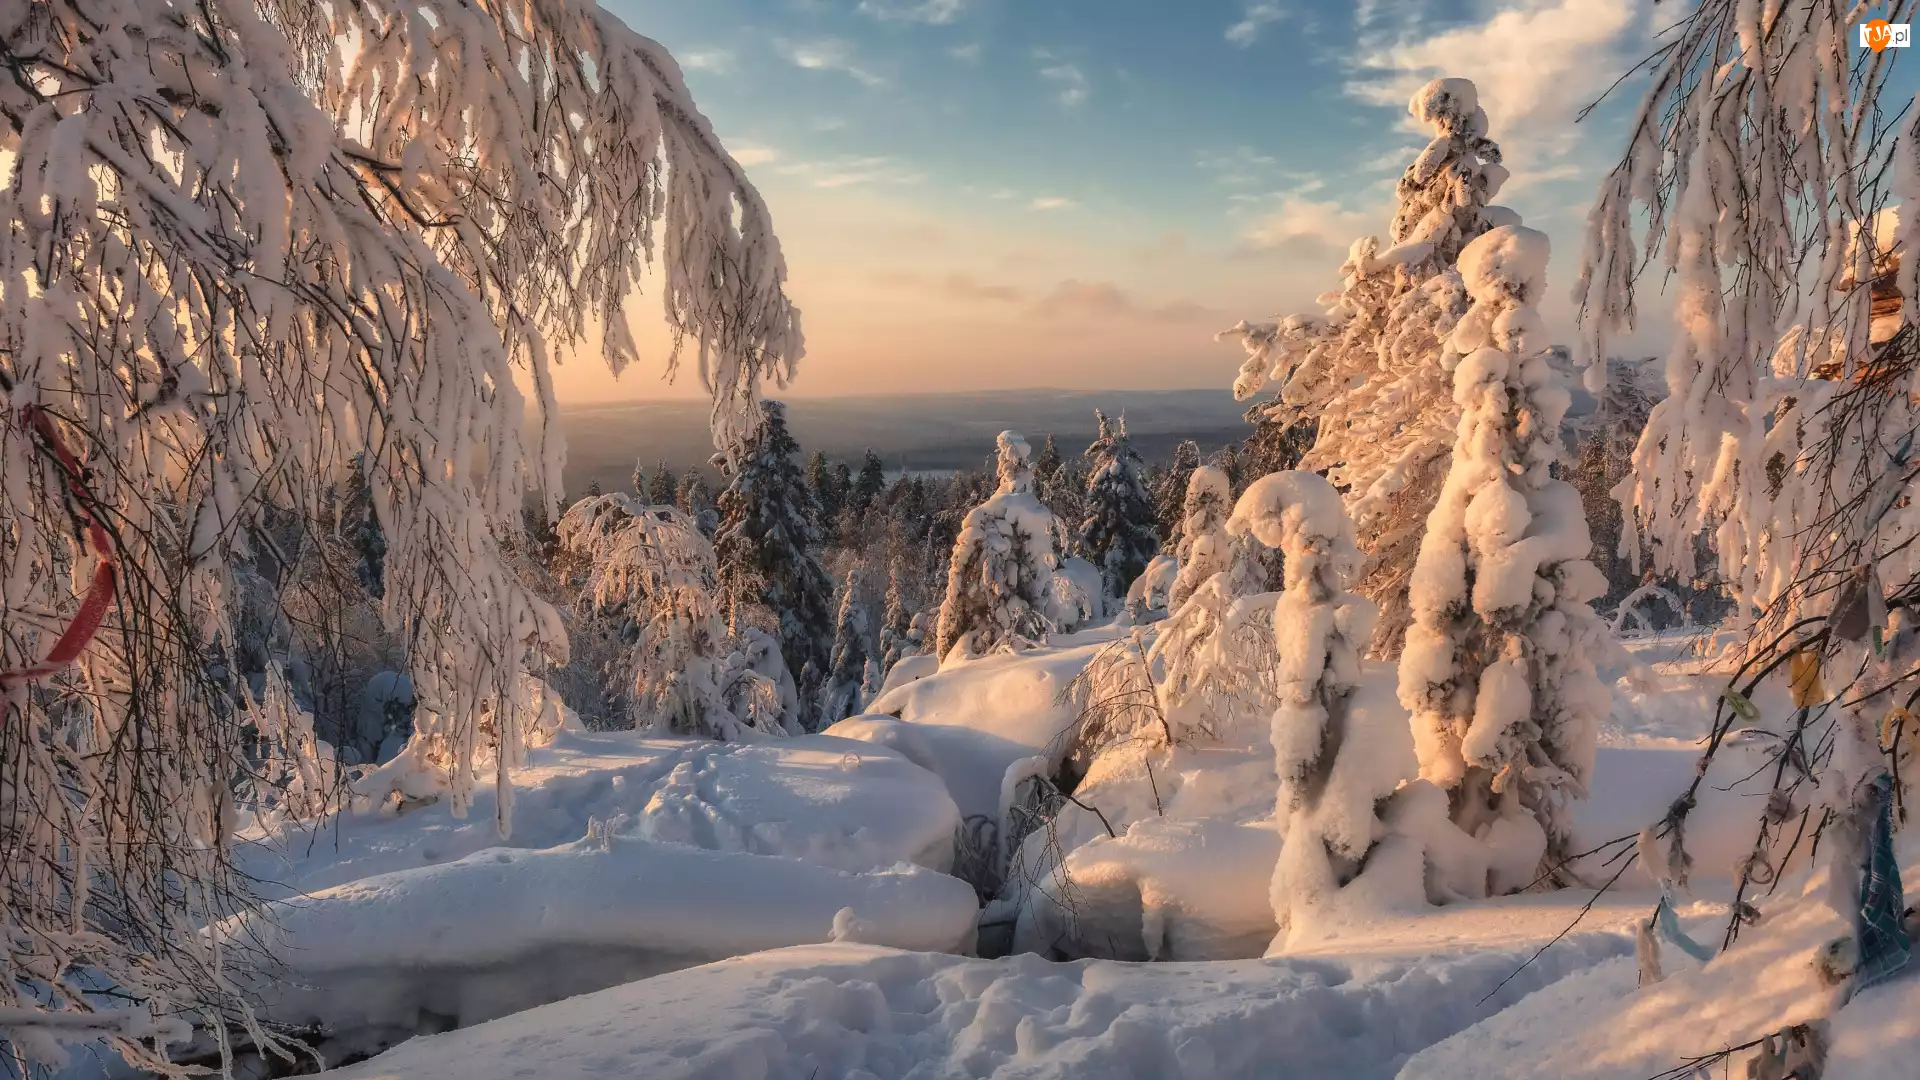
{"x": 854, "y": 1011}
{"x": 833, "y": 802}
{"x": 502, "y": 930}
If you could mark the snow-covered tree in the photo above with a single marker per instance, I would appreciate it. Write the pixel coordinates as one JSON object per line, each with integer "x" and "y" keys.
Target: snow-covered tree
{"x": 841, "y": 697}
{"x": 651, "y": 573}
{"x": 1205, "y": 547}
{"x": 245, "y": 243}
{"x": 897, "y": 638}
{"x": 1118, "y": 533}
{"x": 768, "y": 574}
{"x": 695, "y": 500}
{"x": 1366, "y": 372}
{"x": 1336, "y": 765}
{"x": 1170, "y": 491}
{"x": 1002, "y": 561}
{"x": 662, "y": 486}
{"x": 827, "y": 495}
{"x": 870, "y": 484}
{"x": 1498, "y": 670}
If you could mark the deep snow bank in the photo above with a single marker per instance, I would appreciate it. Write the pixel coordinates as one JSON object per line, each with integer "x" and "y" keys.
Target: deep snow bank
{"x": 504, "y": 930}
{"x": 1600, "y": 1025}
{"x": 856, "y": 1012}
{"x": 833, "y": 802}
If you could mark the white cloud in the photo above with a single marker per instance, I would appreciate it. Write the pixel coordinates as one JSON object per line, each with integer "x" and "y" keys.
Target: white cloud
{"x": 931, "y": 12}
{"x": 715, "y": 60}
{"x": 1072, "y": 82}
{"x": 1536, "y": 63}
{"x": 1293, "y": 222}
{"x": 1052, "y": 202}
{"x": 850, "y": 172}
{"x": 1243, "y": 166}
{"x": 751, "y": 154}
{"x": 829, "y": 54}
{"x": 1254, "y": 18}
{"x": 966, "y": 54}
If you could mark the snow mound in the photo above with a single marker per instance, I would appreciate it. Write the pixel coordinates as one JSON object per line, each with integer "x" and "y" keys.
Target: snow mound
{"x": 833, "y": 802}
{"x": 1508, "y": 261}
{"x": 1599, "y": 1025}
{"x": 874, "y": 1014}
{"x": 505, "y": 930}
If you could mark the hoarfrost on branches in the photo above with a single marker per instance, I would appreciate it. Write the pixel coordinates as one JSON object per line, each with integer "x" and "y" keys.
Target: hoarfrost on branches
{"x": 998, "y": 577}
{"x": 250, "y": 244}
{"x": 1366, "y": 371}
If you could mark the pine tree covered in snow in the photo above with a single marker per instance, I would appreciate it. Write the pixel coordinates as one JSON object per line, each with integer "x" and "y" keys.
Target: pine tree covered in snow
{"x": 1366, "y": 372}
{"x": 765, "y": 545}
{"x": 1118, "y": 533}
{"x": 1001, "y": 565}
{"x": 1336, "y": 766}
{"x": 1205, "y": 547}
{"x": 896, "y": 628}
{"x": 651, "y": 574}
{"x": 695, "y": 500}
{"x": 1170, "y": 491}
{"x": 841, "y": 697}
{"x": 662, "y": 486}
{"x": 232, "y": 206}
{"x": 1498, "y": 670}
{"x": 870, "y": 484}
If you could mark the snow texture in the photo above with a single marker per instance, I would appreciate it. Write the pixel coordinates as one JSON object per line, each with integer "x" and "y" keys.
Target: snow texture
{"x": 1499, "y": 668}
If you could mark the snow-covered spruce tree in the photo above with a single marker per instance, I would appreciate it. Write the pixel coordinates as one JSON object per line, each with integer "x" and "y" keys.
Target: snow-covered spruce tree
{"x": 651, "y": 574}
{"x": 1498, "y": 670}
{"x": 1365, "y": 372}
{"x": 1170, "y": 493}
{"x": 769, "y": 577}
{"x": 245, "y": 242}
{"x": 662, "y": 486}
{"x": 695, "y": 500}
{"x": 1336, "y": 766}
{"x": 841, "y": 697}
{"x": 896, "y": 625}
{"x": 870, "y": 484}
{"x": 1205, "y": 547}
{"x": 1118, "y": 533}
{"x": 1002, "y": 561}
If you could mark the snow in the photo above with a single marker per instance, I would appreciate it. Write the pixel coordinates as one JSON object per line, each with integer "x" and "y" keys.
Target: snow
{"x": 504, "y": 930}
{"x": 831, "y": 802}
{"x": 1599, "y": 1025}
{"x": 877, "y": 1014}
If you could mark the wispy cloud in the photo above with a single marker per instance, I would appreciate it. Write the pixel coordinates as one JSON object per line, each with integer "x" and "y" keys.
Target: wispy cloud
{"x": 851, "y": 172}
{"x": 1052, "y": 202}
{"x": 959, "y": 287}
{"x": 1102, "y": 300}
{"x": 752, "y": 154}
{"x": 719, "y": 61}
{"x": 1072, "y": 83}
{"x": 966, "y": 54}
{"x": 1293, "y": 222}
{"x": 1254, "y": 18}
{"x": 829, "y": 54}
{"x": 1240, "y": 167}
{"x": 931, "y": 12}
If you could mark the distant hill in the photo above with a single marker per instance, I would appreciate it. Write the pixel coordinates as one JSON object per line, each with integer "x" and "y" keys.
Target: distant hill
{"x": 909, "y": 432}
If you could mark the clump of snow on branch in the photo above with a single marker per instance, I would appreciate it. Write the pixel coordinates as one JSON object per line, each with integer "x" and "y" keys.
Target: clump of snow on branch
{"x": 998, "y": 577}
{"x": 1365, "y": 369}
{"x": 253, "y": 247}
{"x": 1498, "y": 670}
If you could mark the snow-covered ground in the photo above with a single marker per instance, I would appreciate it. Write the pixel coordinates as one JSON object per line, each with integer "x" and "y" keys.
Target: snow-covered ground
{"x": 778, "y": 910}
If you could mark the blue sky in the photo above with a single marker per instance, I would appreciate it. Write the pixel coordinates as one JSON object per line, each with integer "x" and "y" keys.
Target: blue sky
{"x": 980, "y": 194}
